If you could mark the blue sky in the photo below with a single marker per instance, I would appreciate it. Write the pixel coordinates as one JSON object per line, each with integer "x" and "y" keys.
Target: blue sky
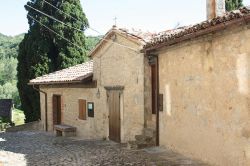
{"x": 147, "y": 15}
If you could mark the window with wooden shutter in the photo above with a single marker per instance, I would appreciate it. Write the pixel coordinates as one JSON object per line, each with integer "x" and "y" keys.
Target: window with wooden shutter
{"x": 82, "y": 109}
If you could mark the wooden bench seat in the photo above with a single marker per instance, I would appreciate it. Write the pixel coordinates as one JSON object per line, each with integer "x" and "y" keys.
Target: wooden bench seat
{"x": 65, "y": 130}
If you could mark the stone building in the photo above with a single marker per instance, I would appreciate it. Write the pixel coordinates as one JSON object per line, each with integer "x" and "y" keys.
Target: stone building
{"x": 189, "y": 86}
{"x": 105, "y": 97}
{"x": 203, "y": 78}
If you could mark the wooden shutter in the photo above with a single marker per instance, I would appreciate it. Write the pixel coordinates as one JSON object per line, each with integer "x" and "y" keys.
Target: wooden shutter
{"x": 82, "y": 109}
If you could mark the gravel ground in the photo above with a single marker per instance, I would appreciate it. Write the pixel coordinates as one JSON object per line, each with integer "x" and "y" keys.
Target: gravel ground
{"x": 40, "y": 148}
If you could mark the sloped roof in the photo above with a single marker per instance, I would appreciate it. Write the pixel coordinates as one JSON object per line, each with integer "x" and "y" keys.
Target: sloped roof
{"x": 205, "y": 27}
{"x": 138, "y": 36}
{"x": 74, "y": 74}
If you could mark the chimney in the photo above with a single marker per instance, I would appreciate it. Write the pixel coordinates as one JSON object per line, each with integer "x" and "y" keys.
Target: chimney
{"x": 215, "y": 8}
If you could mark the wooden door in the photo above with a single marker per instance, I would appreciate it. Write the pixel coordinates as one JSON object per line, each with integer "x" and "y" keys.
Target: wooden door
{"x": 57, "y": 114}
{"x": 114, "y": 115}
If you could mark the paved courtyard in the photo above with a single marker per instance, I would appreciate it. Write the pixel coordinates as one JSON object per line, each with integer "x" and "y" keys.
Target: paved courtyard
{"x": 40, "y": 148}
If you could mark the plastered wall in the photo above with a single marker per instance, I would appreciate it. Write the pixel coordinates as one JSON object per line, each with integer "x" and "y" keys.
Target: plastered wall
{"x": 205, "y": 83}
{"x": 113, "y": 66}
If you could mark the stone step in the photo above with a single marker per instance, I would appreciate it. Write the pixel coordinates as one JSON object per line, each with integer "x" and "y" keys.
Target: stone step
{"x": 148, "y": 132}
{"x": 132, "y": 145}
{"x": 136, "y": 145}
{"x": 143, "y": 138}
{"x": 147, "y": 139}
{"x": 145, "y": 145}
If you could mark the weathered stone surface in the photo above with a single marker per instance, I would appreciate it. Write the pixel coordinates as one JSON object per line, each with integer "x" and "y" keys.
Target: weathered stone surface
{"x": 113, "y": 66}
{"x": 215, "y": 8}
{"x": 32, "y": 126}
{"x": 205, "y": 83}
{"x": 149, "y": 132}
{"x": 146, "y": 139}
{"x": 39, "y": 148}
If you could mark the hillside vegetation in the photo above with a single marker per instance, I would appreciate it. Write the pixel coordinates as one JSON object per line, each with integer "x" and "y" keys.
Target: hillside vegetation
{"x": 8, "y": 63}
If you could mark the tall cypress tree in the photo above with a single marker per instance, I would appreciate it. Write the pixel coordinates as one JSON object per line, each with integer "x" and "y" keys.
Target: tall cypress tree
{"x": 42, "y": 51}
{"x": 233, "y": 4}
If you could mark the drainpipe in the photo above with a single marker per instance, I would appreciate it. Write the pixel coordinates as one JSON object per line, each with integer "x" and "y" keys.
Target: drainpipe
{"x": 46, "y": 106}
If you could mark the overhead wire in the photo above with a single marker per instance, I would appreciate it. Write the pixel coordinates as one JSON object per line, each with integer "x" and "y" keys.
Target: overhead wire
{"x": 53, "y": 18}
{"x": 54, "y": 31}
{"x": 77, "y": 28}
{"x": 70, "y": 16}
{"x": 72, "y": 43}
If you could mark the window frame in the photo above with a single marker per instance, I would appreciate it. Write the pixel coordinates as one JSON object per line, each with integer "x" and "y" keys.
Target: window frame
{"x": 91, "y": 113}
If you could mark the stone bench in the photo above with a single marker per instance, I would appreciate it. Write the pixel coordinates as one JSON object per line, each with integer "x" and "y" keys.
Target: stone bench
{"x": 65, "y": 130}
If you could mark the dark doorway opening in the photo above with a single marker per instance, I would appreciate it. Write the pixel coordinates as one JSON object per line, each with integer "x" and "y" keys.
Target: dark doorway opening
{"x": 57, "y": 111}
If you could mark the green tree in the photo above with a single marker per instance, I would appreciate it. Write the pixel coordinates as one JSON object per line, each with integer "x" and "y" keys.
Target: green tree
{"x": 91, "y": 42}
{"x": 233, "y": 4}
{"x": 8, "y": 64}
{"x": 42, "y": 51}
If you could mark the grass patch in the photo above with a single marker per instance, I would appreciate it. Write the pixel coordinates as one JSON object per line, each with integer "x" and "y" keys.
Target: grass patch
{"x": 18, "y": 117}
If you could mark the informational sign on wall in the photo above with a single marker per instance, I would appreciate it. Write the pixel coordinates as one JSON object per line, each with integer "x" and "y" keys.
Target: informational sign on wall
{"x": 91, "y": 109}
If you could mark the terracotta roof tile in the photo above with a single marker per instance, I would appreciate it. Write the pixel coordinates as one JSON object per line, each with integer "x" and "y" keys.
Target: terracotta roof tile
{"x": 69, "y": 75}
{"x": 167, "y": 36}
{"x": 137, "y": 34}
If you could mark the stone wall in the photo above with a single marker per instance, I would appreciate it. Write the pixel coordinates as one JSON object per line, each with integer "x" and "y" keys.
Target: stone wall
{"x": 205, "y": 83}
{"x": 148, "y": 117}
{"x": 113, "y": 66}
{"x": 87, "y": 129}
{"x": 32, "y": 126}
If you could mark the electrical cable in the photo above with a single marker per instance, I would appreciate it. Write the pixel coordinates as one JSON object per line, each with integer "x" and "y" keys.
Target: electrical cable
{"x": 53, "y": 31}
{"x": 77, "y": 28}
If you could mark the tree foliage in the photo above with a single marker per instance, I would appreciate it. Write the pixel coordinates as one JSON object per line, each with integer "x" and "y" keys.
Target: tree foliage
{"x": 9, "y": 46}
{"x": 91, "y": 41}
{"x": 233, "y": 4}
{"x": 42, "y": 51}
{"x": 8, "y": 64}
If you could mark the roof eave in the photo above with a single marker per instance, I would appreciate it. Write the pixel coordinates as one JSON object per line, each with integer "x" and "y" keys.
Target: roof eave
{"x": 215, "y": 28}
{"x": 99, "y": 44}
{"x": 53, "y": 82}
{"x": 88, "y": 77}
{"x": 107, "y": 37}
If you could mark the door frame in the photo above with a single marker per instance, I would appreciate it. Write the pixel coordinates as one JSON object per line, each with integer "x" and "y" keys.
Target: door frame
{"x": 110, "y": 90}
{"x": 59, "y": 105}
{"x": 153, "y": 61}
